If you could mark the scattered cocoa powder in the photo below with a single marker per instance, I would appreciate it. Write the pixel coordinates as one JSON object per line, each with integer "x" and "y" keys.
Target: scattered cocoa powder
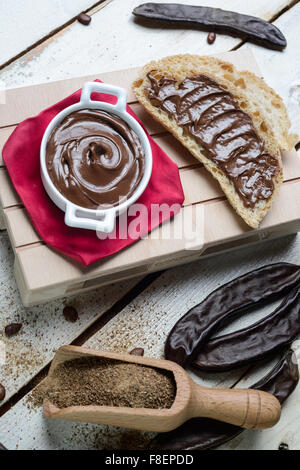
{"x": 100, "y": 381}
{"x": 36, "y": 397}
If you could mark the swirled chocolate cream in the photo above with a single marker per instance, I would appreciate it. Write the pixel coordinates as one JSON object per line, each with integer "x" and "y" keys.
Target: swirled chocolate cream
{"x": 211, "y": 115}
{"x": 95, "y": 159}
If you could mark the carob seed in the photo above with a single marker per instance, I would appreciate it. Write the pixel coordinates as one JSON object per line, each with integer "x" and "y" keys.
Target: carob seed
{"x": 137, "y": 352}
{"x": 283, "y": 446}
{"x": 194, "y": 329}
{"x": 2, "y": 392}
{"x": 203, "y": 433}
{"x": 216, "y": 20}
{"x": 70, "y": 314}
{"x": 12, "y": 329}
{"x": 211, "y": 37}
{"x": 85, "y": 19}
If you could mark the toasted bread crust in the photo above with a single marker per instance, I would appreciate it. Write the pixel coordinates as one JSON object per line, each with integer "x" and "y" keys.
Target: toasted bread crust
{"x": 265, "y": 107}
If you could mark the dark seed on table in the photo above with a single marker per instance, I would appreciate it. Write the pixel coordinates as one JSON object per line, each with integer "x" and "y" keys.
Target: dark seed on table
{"x": 13, "y": 329}
{"x": 83, "y": 18}
{"x": 283, "y": 446}
{"x": 211, "y": 37}
{"x": 70, "y": 314}
{"x": 137, "y": 352}
{"x": 2, "y": 392}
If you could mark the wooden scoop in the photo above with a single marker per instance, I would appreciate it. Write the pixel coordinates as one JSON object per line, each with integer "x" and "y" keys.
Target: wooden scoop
{"x": 251, "y": 409}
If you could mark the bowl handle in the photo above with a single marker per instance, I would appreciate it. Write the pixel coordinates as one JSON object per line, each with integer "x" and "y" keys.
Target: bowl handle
{"x": 90, "y": 87}
{"x": 105, "y": 223}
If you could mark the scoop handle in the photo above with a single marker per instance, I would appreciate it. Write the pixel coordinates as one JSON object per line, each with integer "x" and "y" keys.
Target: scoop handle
{"x": 247, "y": 408}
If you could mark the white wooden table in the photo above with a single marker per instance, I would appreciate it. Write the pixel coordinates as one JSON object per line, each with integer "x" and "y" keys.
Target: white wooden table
{"x": 41, "y": 41}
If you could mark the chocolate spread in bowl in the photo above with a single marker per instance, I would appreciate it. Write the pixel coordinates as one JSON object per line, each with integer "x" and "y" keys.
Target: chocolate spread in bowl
{"x": 94, "y": 158}
{"x": 210, "y": 114}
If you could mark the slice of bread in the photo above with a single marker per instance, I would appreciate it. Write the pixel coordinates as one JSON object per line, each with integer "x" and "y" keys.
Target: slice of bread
{"x": 265, "y": 107}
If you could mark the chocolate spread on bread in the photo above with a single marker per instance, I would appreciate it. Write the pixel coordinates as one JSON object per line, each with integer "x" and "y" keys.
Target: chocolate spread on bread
{"x": 211, "y": 115}
{"x": 94, "y": 158}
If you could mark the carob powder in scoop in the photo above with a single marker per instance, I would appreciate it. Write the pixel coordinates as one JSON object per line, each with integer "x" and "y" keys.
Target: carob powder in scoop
{"x": 106, "y": 382}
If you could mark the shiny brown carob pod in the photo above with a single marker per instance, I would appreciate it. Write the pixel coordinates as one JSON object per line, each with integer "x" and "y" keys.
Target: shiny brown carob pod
{"x": 194, "y": 329}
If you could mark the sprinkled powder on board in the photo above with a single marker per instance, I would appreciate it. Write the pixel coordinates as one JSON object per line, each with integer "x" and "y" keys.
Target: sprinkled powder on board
{"x": 99, "y": 381}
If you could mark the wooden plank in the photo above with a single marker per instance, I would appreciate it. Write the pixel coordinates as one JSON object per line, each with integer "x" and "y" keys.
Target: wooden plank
{"x": 8, "y": 196}
{"x": 221, "y": 216}
{"x": 103, "y": 47}
{"x": 30, "y": 297}
{"x": 146, "y": 323}
{"x": 155, "y": 252}
{"x": 192, "y": 180}
{"x": 151, "y": 125}
{"x": 36, "y": 20}
{"x": 282, "y": 70}
{"x": 198, "y": 186}
{"x": 4, "y": 135}
{"x": 175, "y": 150}
{"x": 15, "y": 218}
{"x": 291, "y": 164}
{"x": 60, "y": 271}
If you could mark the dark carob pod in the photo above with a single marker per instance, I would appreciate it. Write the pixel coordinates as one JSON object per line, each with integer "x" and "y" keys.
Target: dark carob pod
{"x": 255, "y": 342}
{"x": 216, "y": 20}
{"x": 194, "y": 329}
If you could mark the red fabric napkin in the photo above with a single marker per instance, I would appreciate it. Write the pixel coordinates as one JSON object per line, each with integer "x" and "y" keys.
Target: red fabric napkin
{"x": 21, "y": 155}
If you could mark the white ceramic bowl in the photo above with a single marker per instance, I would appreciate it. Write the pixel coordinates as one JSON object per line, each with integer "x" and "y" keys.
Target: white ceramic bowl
{"x": 76, "y": 216}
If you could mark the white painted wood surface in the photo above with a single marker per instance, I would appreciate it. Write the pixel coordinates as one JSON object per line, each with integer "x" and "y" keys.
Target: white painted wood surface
{"x": 25, "y": 22}
{"x": 44, "y": 327}
{"x": 146, "y": 323}
{"x": 109, "y": 48}
{"x": 113, "y": 41}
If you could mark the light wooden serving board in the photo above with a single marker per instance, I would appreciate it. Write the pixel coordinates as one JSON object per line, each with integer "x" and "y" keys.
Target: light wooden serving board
{"x": 43, "y": 274}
